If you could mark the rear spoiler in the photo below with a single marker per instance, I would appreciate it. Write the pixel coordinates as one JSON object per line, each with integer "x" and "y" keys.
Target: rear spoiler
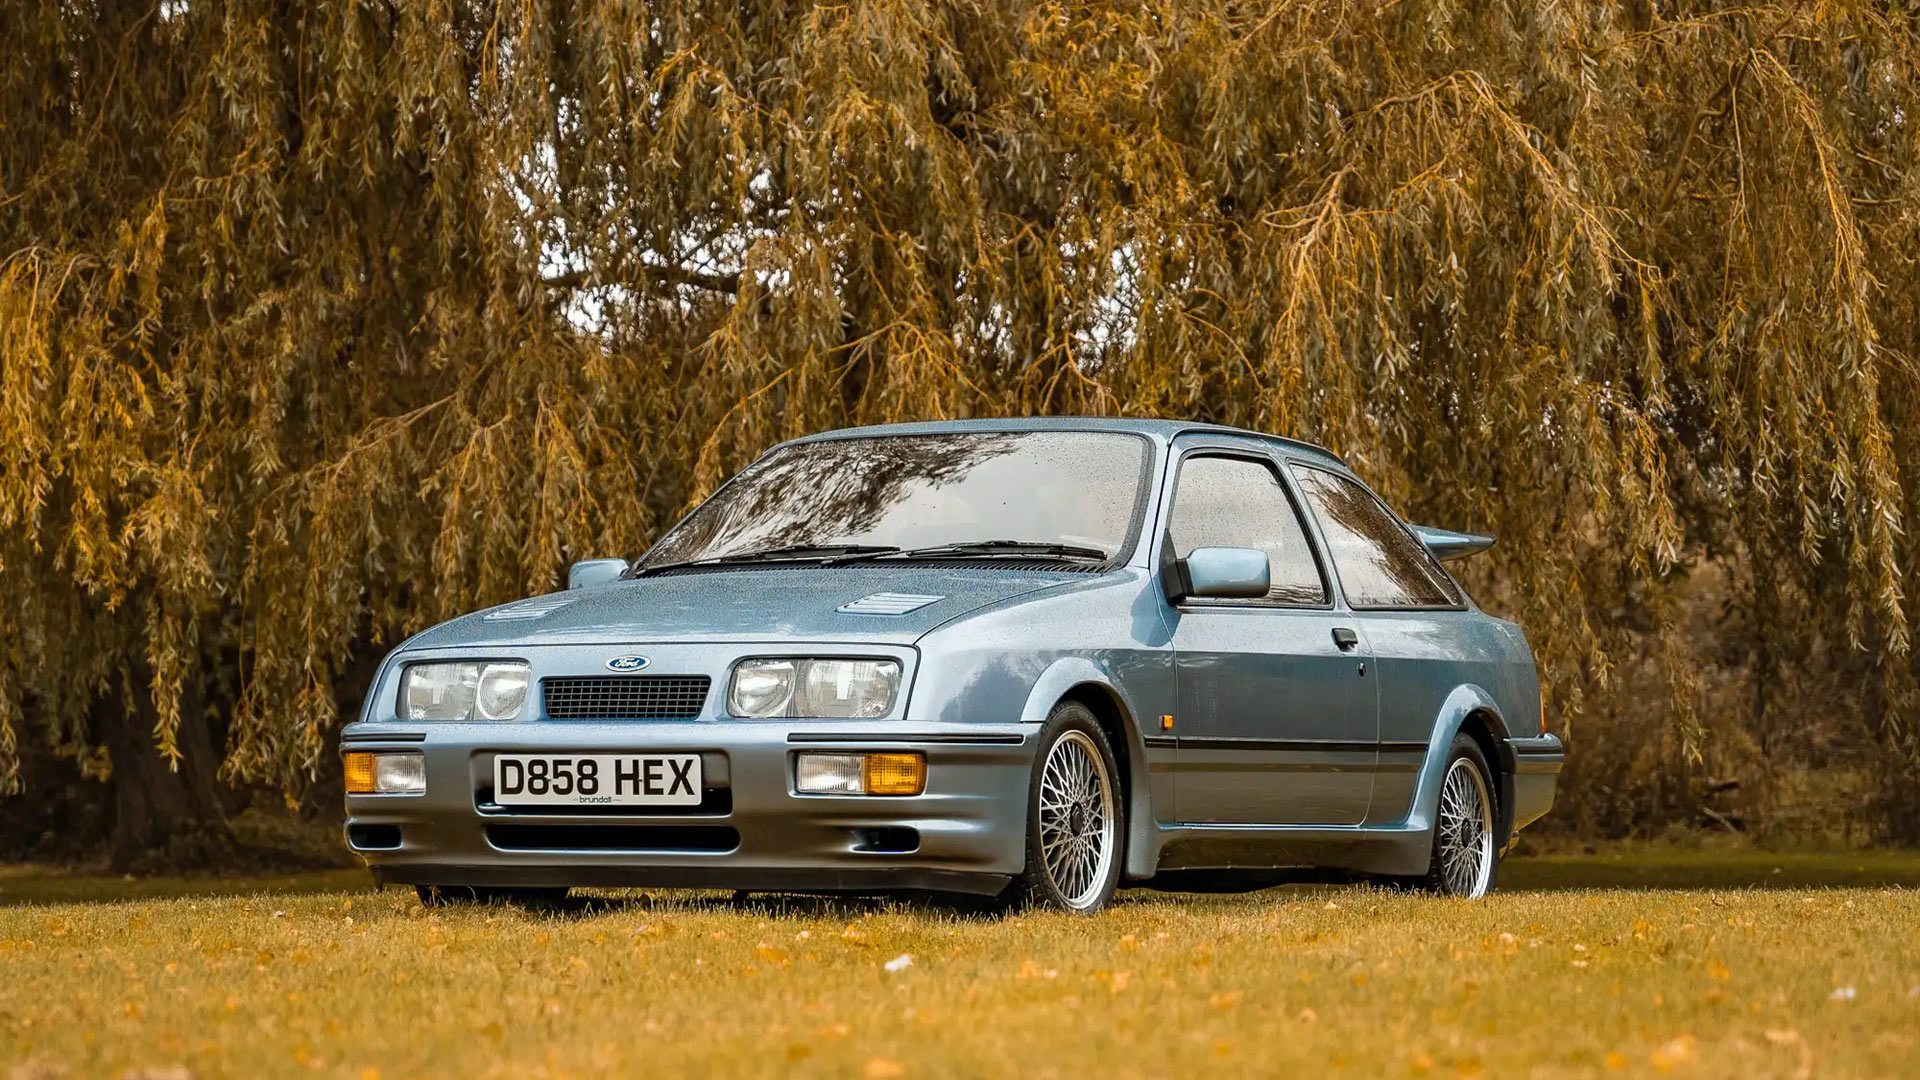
{"x": 1446, "y": 544}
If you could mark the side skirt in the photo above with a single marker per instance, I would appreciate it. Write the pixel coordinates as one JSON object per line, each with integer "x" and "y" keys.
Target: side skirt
{"x": 1399, "y": 848}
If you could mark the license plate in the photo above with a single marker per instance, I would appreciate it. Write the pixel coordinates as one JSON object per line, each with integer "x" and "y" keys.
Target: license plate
{"x": 596, "y": 779}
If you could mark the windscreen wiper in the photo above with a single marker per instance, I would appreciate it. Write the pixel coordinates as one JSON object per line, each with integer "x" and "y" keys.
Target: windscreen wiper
{"x": 977, "y": 549}
{"x": 821, "y": 553}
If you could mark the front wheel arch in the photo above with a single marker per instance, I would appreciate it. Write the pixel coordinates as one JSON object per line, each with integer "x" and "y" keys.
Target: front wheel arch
{"x": 1079, "y": 679}
{"x": 1072, "y": 723}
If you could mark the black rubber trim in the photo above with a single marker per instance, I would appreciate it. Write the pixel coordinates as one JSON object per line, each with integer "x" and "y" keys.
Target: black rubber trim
{"x": 1408, "y": 747}
{"x": 1543, "y": 753}
{"x": 1275, "y": 766}
{"x": 704, "y": 839}
{"x": 1160, "y": 740}
{"x": 904, "y": 737}
{"x": 384, "y": 737}
{"x": 1298, "y": 746}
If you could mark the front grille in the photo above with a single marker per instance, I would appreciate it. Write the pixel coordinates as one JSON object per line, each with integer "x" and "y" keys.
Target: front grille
{"x": 625, "y": 697}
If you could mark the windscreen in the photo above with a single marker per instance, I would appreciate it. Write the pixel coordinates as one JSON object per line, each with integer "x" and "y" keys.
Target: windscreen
{"x": 916, "y": 491}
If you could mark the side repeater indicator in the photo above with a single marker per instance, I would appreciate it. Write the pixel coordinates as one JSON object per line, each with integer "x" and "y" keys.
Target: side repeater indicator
{"x": 1166, "y": 722}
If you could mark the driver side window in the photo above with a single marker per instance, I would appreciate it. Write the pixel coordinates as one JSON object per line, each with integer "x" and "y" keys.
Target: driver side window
{"x": 1239, "y": 502}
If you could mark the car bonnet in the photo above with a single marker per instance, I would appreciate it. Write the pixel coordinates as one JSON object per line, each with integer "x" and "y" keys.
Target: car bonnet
{"x": 878, "y": 603}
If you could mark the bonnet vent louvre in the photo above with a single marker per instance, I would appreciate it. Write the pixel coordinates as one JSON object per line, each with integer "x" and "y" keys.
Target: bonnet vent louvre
{"x": 888, "y": 603}
{"x": 530, "y": 609}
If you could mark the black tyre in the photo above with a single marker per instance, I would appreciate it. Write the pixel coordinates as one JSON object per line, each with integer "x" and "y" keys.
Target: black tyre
{"x": 1466, "y": 853}
{"x": 531, "y": 896}
{"x": 1076, "y": 818}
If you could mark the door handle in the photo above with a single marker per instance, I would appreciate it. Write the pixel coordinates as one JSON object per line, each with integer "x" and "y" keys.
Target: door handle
{"x": 1345, "y": 638}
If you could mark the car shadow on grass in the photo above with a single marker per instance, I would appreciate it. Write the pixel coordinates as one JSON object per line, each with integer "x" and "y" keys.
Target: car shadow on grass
{"x": 1653, "y": 868}
{"x": 766, "y": 905}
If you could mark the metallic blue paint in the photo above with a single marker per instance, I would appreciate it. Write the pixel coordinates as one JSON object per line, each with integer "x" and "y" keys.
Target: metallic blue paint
{"x": 1222, "y": 572}
{"x": 1342, "y": 769}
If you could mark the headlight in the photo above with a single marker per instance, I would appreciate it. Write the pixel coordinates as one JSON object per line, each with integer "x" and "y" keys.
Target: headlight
{"x": 495, "y": 691}
{"x": 846, "y": 689}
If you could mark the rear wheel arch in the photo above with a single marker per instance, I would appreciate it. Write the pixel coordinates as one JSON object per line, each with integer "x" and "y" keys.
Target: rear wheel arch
{"x": 1489, "y": 732}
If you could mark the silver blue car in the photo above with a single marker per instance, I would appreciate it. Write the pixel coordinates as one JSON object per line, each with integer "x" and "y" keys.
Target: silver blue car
{"x": 1024, "y": 661}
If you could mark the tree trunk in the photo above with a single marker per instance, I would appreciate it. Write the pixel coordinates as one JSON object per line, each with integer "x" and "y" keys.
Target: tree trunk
{"x": 167, "y": 815}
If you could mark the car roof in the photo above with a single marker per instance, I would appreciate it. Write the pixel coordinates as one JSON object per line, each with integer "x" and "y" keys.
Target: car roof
{"x": 1159, "y": 430}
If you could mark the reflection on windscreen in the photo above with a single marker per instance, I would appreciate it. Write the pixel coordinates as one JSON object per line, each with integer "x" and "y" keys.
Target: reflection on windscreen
{"x": 912, "y": 491}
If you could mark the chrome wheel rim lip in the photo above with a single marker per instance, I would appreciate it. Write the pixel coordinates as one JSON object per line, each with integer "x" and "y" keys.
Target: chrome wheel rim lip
{"x": 1076, "y": 819}
{"x": 1464, "y": 847}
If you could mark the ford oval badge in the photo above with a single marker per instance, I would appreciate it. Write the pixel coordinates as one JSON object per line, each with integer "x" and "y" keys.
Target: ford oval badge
{"x": 626, "y": 663}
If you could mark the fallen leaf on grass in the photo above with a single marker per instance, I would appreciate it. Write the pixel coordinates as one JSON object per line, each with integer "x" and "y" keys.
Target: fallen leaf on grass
{"x": 1226, "y": 1000}
{"x": 1678, "y": 1051}
{"x": 884, "y": 1068}
{"x": 1779, "y": 1037}
{"x": 1789, "y": 1037}
{"x": 900, "y": 963}
{"x": 1842, "y": 993}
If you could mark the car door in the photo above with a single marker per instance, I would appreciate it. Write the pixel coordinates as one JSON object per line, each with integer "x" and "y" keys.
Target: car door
{"x": 1276, "y": 717}
{"x": 1412, "y": 614}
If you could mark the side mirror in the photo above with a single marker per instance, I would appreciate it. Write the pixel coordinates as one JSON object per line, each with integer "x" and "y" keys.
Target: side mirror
{"x": 1224, "y": 573}
{"x": 1445, "y": 544}
{"x": 591, "y": 572}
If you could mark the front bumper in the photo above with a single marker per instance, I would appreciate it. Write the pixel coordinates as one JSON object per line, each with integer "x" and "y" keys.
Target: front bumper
{"x": 966, "y": 833}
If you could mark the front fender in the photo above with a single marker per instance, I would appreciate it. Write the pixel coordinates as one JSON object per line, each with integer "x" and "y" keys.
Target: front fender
{"x": 1079, "y": 675}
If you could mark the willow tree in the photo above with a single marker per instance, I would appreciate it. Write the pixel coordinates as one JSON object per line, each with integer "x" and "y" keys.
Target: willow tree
{"x": 323, "y": 322}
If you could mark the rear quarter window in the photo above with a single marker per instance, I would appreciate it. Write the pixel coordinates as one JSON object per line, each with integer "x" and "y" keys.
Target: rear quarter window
{"x": 1380, "y": 563}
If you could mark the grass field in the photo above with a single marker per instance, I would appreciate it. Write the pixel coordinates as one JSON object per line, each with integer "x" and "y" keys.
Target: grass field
{"x": 1816, "y": 972}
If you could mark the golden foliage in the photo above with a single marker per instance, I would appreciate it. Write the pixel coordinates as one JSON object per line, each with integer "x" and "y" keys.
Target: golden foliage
{"x": 322, "y": 323}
